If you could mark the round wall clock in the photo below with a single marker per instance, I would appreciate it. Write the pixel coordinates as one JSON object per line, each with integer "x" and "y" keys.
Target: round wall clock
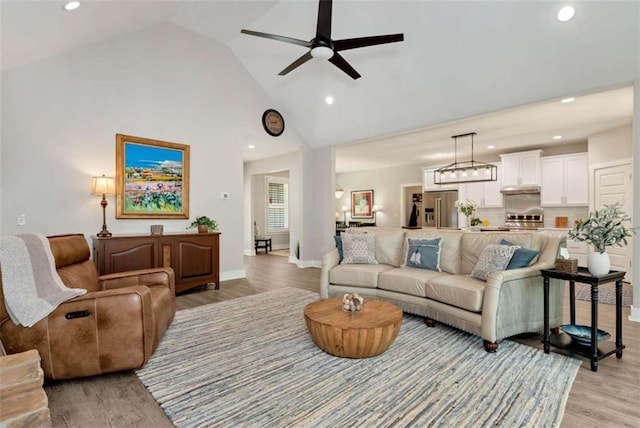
{"x": 273, "y": 122}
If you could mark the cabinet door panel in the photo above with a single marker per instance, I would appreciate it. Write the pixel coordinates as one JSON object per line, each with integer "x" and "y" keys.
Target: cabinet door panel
{"x": 194, "y": 260}
{"x": 552, "y": 189}
{"x": 428, "y": 183}
{"x": 510, "y": 166}
{"x": 491, "y": 190}
{"x": 530, "y": 169}
{"x": 127, "y": 255}
{"x": 475, "y": 192}
{"x": 577, "y": 180}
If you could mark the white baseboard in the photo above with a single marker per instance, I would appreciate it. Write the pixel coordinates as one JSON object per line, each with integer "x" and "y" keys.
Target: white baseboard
{"x": 234, "y": 274}
{"x": 293, "y": 259}
{"x": 635, "y": 314}
{"x": 250, "y": 252}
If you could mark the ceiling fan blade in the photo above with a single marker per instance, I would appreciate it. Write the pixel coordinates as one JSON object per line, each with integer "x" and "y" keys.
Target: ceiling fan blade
{"x": 360, "y": 42}
{"x": 343, "y": 65}
{"x": 285, "y": 39}
{"x": 297, "y": 63}
{"x": 324, "y": 19}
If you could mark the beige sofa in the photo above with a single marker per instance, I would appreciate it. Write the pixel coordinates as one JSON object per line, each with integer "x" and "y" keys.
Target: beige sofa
{"x": 510, "y": 302}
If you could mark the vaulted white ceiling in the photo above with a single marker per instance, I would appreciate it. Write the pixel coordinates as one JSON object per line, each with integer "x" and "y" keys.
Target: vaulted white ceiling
{"x": 459, "y": 59}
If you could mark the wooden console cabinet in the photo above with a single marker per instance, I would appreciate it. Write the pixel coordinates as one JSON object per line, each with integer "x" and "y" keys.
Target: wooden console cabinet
{"x": 194, "y": 257}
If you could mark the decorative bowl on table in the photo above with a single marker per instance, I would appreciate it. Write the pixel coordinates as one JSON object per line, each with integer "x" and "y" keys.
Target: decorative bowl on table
{"x": 582, "y": 333}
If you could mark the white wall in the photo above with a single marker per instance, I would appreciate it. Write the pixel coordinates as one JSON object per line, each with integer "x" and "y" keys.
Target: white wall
{"x": 611, "y": 145}
{"x": 60, "y": 117}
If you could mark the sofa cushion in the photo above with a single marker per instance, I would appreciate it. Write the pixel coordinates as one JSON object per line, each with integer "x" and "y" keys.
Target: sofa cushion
{"x": 450, "y": 249}
{"x": 357, "y": 275}
{"x": 493, "y": 258}
{"x": 423, "y": 253}
{"x": 389, "y": 246}
{"x": 358, "y": 248}
{"x": 458, "y": 290}
{"x": 389, "y": 242}
{"x": 521, "y": 258}
{"x": 407, "y": 280}
{"x": 474, "y": 242}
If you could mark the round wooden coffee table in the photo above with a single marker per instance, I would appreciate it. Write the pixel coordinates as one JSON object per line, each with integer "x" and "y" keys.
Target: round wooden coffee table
{"x": 353, "y": 334}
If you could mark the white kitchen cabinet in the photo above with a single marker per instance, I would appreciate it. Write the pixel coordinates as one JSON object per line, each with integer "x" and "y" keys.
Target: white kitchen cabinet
{"x": 521, "y": 169}
{"x": 565, "y": 180}
{"x": 485, "y": 193}
{"x": 428, "y": 182}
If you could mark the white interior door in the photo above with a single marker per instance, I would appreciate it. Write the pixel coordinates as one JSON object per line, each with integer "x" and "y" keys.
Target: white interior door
{"x": 614, "y": 184}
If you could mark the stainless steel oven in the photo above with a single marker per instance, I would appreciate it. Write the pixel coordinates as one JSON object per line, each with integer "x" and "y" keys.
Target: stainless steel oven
{"x": 523, "y": 211}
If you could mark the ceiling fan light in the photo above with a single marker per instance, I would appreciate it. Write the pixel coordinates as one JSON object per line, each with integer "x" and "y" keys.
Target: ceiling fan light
{"x": 566, "y": 13}
{"x": 321, "y": 52}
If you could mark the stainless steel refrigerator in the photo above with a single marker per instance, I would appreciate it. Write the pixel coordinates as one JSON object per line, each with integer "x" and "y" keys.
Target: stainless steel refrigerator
{"x": 440, "y": 209}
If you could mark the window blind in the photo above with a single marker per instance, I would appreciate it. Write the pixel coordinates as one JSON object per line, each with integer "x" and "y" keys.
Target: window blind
{"x": 278, "y": 209}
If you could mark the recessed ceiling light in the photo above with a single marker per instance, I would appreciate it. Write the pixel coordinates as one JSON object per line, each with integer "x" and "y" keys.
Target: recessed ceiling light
{"x": 329, "y": 100}
{"x": 491, "y": 147}
{"x": 557, "y": 137}
{"x": 566, "y": 13}
{"x": 567, "y": 100}
{"x": 72, "y": 5}
{"x": 251, "y": 146}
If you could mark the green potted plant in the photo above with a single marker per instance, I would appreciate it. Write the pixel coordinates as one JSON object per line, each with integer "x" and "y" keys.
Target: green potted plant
{"x": 204, "y": 224}
{"x": 603, "y": 228}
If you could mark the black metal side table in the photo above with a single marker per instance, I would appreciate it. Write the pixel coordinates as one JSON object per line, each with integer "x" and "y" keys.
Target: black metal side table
{"x": 596, "y": 350}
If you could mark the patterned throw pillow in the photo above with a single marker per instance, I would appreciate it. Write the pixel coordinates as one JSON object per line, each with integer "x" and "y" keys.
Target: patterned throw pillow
{"x": 521, "y": 258}
{"x": 423, "y": 253}
{"x": 494, "y": 258}
{"x": 358, "y": 248}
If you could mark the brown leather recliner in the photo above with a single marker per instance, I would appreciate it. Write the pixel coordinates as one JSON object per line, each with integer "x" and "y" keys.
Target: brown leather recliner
{"x": 115, "y": 326}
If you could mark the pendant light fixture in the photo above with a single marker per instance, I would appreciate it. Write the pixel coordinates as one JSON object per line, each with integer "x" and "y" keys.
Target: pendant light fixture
{"x": 465, "y": 172}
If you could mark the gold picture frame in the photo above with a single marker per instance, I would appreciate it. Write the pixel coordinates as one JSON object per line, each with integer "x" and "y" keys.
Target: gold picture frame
{"x": 152, "y": 178}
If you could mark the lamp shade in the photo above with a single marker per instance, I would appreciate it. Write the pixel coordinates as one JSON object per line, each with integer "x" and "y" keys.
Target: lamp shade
{"x": 103, "y": 185}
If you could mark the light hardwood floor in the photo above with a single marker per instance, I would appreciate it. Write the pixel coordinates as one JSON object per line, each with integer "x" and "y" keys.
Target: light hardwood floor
{"x": 609, "y": 397}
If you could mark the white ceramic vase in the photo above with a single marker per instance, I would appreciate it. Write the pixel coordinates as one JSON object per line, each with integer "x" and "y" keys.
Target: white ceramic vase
{"x": 598, "y": 263}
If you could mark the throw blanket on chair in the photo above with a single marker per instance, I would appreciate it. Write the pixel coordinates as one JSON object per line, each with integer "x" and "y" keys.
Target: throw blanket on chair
{"x": 31, "y": 284}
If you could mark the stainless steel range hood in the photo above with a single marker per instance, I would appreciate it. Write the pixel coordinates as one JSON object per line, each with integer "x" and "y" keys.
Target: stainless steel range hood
{"x": 520, "y": 190}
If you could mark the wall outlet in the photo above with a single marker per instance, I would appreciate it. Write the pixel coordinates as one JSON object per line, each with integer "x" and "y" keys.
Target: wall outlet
{"x": 224, "y": 195}
{"x": 21, "y": 220}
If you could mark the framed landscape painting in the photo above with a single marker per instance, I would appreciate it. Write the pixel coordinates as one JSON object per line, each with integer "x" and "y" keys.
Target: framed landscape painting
{"x": 362, "y": 204}
{"x": 152, "y": 178}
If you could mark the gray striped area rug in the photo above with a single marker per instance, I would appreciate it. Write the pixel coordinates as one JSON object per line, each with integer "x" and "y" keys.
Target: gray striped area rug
{"x": 250, "y": 362}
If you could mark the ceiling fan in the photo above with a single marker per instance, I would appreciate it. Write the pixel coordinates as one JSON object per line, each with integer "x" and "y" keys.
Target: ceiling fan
{"x": 323, "y": 47}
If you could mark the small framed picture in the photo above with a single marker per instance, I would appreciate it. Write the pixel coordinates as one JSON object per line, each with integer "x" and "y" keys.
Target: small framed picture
{"x": 362, "y": 204}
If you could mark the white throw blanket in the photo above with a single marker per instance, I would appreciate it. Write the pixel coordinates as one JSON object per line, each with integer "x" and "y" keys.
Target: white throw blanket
{"x": 31, "y": 284}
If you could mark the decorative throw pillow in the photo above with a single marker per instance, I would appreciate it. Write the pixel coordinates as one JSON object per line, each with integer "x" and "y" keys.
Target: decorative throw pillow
{"x": 493, "y": 258}
{"x": 423, "y": 253}
{"x": 338, "y": 240}
{"x": 521, "y": 258}
{"x": 358, "y": 248}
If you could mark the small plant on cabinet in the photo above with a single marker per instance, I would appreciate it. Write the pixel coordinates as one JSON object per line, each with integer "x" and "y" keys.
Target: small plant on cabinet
{"x": 203, "y": 224}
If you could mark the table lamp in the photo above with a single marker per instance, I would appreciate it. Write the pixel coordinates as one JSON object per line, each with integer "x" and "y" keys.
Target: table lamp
{"x": 103, "y": 186}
